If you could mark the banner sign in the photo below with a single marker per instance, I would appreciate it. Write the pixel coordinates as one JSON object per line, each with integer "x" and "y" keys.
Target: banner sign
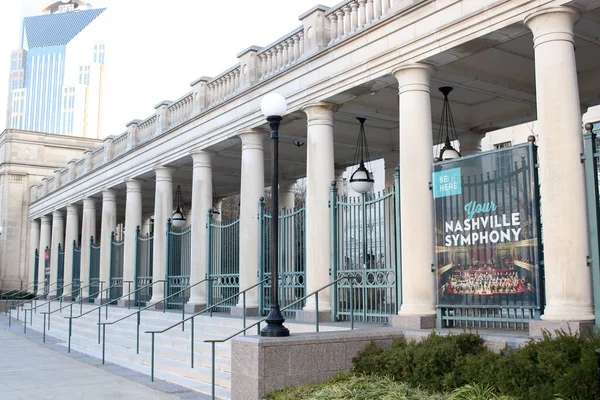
{"x": 487, "y": 230}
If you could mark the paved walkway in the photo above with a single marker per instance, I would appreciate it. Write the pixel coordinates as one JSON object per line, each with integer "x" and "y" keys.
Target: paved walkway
{"x": 30, "y": 369}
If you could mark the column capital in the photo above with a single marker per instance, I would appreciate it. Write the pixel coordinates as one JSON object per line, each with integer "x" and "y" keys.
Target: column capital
{"x": 109, "y": 195}
{"x": 320, "y": 112}
{"x": 46, "y": 219}
{"x": 414, "y": 77}
{"x": 89, "y": 202}
{"x": 72, "y": 209}
{"x": 552, "y": 24}
{"x": 202, "y": 158}
{"x": 470, "y": 143}
{"x": 287, "y": 185}
{"x": 164, "y": 173}
{"x": 58, "y": 214}
{"x": 35, "y": 221}
{"x": 133, "y": 185}
{"x": 253, "y": 139}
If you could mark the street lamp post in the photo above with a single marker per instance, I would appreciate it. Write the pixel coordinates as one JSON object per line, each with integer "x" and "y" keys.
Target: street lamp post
{"x": 274, "y": 107}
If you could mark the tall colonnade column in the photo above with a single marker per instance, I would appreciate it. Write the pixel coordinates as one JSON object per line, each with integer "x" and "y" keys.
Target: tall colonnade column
{"x": 108, "y": 225}
{"x": 319, "y": 175}
{"x": 416, "y": 203}
{"x": 202, "y": 190}
{"x": 34, "y": 244}
{"x": 287, "y": 195}
{"x": 133, "y": 219}
{"x": 561, "y": 173}
{"x": 45, "y": 237}
{"x": 88, "y": 229}
{"x": 71, "y": 236}
{"x": 251, "y": 190}
{"x": 163, "y": 209}
{"x": 58, "y": 238}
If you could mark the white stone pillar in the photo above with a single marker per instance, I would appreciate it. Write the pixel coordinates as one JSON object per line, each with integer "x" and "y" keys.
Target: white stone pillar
{"x": 561, "y": 174}
{"x": 45, "y": 237}
{"x": 390, "y": 161}
{"x": 251, "y": 190}
{"x": 470, "y": 143}
{"x": 88, "y": 229}
{"x": 319, "y": 175}
{"x": 71, "y": 235}
{"x": 287, "y": 195}
{"x": 58, "y": 237}
{"x": 163, "y": 211}
{"x": 133, "y": 219}
{"x": 202, "y": 189}
{"x": 339, "y": 181}
{"x": 108, "y": 225}
{"x": 34, "y": 244}
{"x": 416, "y": 202}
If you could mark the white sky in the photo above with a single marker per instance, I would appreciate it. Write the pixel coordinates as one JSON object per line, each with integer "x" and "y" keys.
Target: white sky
{"x": 157, "y": 48}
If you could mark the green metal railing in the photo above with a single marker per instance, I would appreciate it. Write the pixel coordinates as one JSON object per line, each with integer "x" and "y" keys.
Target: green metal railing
{"x": 143, "y": 267}
{"x": 116, "y": 267}
{"x": 14, "y": 298}
{"x": 223, "y": 261}
{"x": 210, "y": 310}
{"x": 213, "y": 342}
{"x": 76, "y": 268}
{"x": 94, "y": 282}
{"x": 365, "y": 242}
{"x": 138, "y": 313}
{"x": 35, "y": 299}
{"x": 179, "y": 253}
{"x": 292, "y": 228}
{"x": 60, "y": 271}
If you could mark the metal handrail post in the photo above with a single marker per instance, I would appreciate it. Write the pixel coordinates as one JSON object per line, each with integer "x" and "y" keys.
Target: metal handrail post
{"x": 317, "y": 310}
{"x": 192, "y": 344}
{"x": 25, "y": 322}
{"x": 103, "y": 342}
{"x": 152, "y": 361}
{"x": 213, "y": 371}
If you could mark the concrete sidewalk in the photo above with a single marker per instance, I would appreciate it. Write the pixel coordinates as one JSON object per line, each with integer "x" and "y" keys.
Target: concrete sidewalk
{"x": 30, "y": 369}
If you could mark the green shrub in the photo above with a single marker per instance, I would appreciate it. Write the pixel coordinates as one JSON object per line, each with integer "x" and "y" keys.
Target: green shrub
{"x": 560, "y": 367}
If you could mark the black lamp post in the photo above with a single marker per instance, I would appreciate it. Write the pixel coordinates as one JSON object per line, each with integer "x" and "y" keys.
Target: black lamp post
{"x": 274, "y": 107}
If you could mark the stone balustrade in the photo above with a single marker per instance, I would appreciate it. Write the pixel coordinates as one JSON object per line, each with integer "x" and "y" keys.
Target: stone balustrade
{"x": 321, "y": 27}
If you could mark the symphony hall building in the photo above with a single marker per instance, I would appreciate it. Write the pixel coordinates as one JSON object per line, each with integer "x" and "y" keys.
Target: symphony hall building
{"x": 426, "y": 255}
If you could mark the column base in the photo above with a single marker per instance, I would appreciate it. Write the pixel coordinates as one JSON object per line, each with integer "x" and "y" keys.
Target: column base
{"x": 413, "y": 321}
{"x": 126, "y": 303}
{"x": 311, "y": 316}
{"x": 159, "y": 306}
{"x": 538, "y": 328}
{"x": 239, "y": 311}
{"x": 51, "y": 297}
{"x": 99, "y": 301}
{"x": 194, "y": 308}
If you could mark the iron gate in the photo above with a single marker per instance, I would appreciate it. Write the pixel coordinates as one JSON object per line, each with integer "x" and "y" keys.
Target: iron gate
{"x": 179, "y": 252}
{"x": 76, "y": 286}
{"x": 116, "y": 267}
{"x": 292, "y": 282}
{"x": 223, "y": 261}
{"x": 60, "y": 272}
{"x": 365, "y": 244}
{"x": 143, "y": 267}
{"x": 94, "y": 284}
{"x": 46, "y": 271}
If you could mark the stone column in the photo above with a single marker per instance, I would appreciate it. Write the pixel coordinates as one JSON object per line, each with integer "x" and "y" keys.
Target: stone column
{"x": 45, "y": 237}
{"x": 34, "y": 244}
{"x": 287, "y": 195}
{"x": 251, "y": 190}
{"x": 108, "y": 225}
{"x": 58, "y": 237}
{"x": 163, "y": 211}
{"x": 133, "y": 219}
{"x": 202, "y": 189}
{"x": 416, "y": 202}
{"x": 319, "y": 175}
{"x": 470, "y": 143}
{"x": 390, "y": 161}
{"x": 88, "y": 229}
{"x": 339, "y": 180}
{"x": 72, "y": 235}
{"x": 561, "y": 173}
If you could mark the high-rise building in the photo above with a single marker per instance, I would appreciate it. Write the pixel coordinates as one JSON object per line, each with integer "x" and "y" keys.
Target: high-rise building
{"x": 57, "y": 76}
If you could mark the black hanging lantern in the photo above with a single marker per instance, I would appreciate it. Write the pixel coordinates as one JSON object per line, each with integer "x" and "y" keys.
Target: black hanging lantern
{"x": 178, "y": 217}
{"x": 361, "y": 180}
{"x": 447, "y": 129}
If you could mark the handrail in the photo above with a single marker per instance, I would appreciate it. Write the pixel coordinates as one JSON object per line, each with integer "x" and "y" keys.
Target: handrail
{"x": 9, "y": 308}
{"x": 50, "y": 301}
{"x": 138, "y": 312}
{"x": 36, "y": 296}
{"x": 243, "y": 293}
{"x": 315, "y": 293}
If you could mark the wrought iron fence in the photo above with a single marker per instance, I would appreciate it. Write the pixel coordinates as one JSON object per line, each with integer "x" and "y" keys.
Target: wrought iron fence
{"x": 223, "y": 261}
{"x": 76, "y": 272}
{"x": 94, "y": 284}
{"x": 143, "y": 267}
{"x": 60, "y": 272}
{"x": 179, "y": 252}
{"x": 365, "y": 241}
{"x": 116, "y": 267}
{"x": 292, "y": 282}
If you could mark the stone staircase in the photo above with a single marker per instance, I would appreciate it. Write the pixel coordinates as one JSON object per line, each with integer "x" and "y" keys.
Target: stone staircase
{"x": 172, "y": 360}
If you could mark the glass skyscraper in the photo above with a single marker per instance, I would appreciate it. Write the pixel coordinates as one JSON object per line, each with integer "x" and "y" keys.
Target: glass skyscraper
{"x": 57, "y": 76}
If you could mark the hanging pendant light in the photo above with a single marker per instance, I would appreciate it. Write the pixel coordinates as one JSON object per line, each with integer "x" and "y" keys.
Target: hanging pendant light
{"x": 178, "y": 217}
{"x": 361, "y": 180}
{"x": 447, "y": 129}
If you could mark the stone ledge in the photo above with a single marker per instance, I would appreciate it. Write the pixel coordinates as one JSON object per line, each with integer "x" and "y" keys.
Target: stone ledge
{"x": 537, "y": 328}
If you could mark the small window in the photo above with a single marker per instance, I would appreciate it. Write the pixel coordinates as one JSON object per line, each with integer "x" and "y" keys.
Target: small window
{"x": 502, "y": 145}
